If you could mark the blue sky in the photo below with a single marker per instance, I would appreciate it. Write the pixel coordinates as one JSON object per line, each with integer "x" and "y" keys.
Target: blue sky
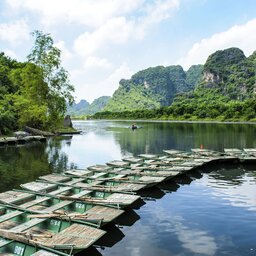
{"x": 103, "y": 41}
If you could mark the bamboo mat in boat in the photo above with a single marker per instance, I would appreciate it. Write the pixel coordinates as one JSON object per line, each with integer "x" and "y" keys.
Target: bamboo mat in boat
{"x": 80, "y": 236}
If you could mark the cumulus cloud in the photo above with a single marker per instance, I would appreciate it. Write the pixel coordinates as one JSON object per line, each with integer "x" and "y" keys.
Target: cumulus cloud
{"x": 160, "y": 10}
{"x": 95, "y": 62}
{"x": 241, "y": 36}
{"x": 99, "y": 26}
{"x": 14, "y": 32}
{"x": 121, "y": 29}
{"x": 106, "y": 86}
{"x": 116, "y": 30}
{"x": 88, "y": 12}
{"x": 66, "y": 54}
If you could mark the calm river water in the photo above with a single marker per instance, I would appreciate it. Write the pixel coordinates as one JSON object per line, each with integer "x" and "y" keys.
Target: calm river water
{"x": 208, "y": 212}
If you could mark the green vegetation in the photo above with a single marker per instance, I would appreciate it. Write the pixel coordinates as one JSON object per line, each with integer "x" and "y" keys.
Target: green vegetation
{"x": 34, "y": 93}
{"x": 225, "y": 91}
{"x": 194, "y": 76}
{"x": 231, "y": 74}
{"x": 149, "y": 89}
{"x": 84, "y": 108}
{"x": 193, "y": 110}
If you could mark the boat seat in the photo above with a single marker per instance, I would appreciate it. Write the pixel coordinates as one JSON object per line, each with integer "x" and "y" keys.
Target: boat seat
{"x": 4, "y": 242}
{"x": 82, "y": 193}
{"x": 36, "y": 201}
{"x": 60, "y": 190}
{"x": 27, "y": 225}
{"x": 72, "y": 182}
{"x": 57, "y": 206}
{"x": 9, "y": 216}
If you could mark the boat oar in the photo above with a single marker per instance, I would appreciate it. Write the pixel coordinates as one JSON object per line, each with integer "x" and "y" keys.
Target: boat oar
{"x": 89, "y": 199}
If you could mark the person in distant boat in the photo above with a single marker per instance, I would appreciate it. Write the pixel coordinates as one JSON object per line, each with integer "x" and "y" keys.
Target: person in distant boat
{"x": 134, "y": 126}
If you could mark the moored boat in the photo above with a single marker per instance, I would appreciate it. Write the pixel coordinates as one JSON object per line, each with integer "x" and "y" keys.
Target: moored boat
{"x": 10, "y": 247}
{"x": 119, "y": 200}
{"x": 52, "y": 233}
{"x": 49, "y": 204}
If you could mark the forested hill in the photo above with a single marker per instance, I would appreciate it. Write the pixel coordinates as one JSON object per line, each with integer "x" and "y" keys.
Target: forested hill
{"x": 84, "y": 108}
{"x": 230, "y": 73}
{"x": 226, "y": 75}
{"x": 224, "y": 88}
{"x": 154, "y": 87}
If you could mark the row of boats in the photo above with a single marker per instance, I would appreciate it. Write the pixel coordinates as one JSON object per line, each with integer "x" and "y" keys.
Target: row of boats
{"x": 62, "y": 214}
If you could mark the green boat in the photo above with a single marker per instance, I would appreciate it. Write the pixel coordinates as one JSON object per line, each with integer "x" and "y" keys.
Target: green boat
{"x": 115, "y": 185}
{"x": 52, "y": 206}
{"x": 51, "y": 233}
{"x": 78, "y": 194}
{"x": 113, "y": 175}
{"x": 10, "y": 248}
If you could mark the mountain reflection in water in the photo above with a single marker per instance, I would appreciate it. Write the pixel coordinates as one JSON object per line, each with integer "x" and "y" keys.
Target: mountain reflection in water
{"x": 210, "y": 211}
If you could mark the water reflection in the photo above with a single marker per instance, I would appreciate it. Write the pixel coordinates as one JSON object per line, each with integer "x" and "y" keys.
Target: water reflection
{"x": 203, "y": 213}
{"x": 91, "y": 148}
{"x": 22, "y": 164}
{"x": 236, "y": 186}
{"x": 154, "y": 137}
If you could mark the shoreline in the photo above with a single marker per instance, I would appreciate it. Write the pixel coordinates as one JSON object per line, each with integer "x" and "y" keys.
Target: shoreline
{"x": 169, "y": 121}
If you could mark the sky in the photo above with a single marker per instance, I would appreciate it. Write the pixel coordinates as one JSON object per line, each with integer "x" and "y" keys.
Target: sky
{"x": 104, "y": 41}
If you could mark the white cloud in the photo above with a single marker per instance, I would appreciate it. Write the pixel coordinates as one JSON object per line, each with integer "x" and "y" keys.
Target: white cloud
{"x": 14, "y": 32}
{"x": 88, "y": 12}
{"x": 106, "y": 86}
{"x": 159, "y": 11}
{"x": 241, "y": 36}
{"x": 100, "y": 26}
{"x": 95, "y": 62}
{"x": 116, "y": 30}
{"x": 121, "y": 29}
{"x": 66, "y": 55}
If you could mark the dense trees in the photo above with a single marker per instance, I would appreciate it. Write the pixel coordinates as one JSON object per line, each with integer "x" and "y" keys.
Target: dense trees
{"x": 192, "y": 110}
{"x": 34, "y": 93}
{"x": 225, "y": 90}
{"x": 153, "y": 88}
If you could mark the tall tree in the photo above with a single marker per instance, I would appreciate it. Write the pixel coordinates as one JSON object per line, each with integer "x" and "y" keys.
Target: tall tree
{"x": 30, "y": 101}
{"x": 7, "y": 88}
{"x": 45, "y": 55}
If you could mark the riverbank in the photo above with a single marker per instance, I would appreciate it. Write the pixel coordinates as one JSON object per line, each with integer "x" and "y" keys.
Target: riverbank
{"x": 171, "y": 121}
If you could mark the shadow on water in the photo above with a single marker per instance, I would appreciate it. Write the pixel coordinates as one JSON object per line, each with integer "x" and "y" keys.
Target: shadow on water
{"x": 137, "y": 204}
{"x": 91, "y": 251}
{"x": 151, "y": 193}
{"x": 128, "y": 218}
{"x": 195, "y": 174}
{"x": 168, "y": 186}
{"x": 183, "y": 179}
{"x": 113, "y": 236}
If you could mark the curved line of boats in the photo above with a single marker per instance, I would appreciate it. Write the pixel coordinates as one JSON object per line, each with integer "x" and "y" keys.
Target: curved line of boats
{"x": 62, "y": 214}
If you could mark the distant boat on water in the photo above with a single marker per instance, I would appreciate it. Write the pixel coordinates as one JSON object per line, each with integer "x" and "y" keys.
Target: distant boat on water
{"x": 134, "y": 127}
